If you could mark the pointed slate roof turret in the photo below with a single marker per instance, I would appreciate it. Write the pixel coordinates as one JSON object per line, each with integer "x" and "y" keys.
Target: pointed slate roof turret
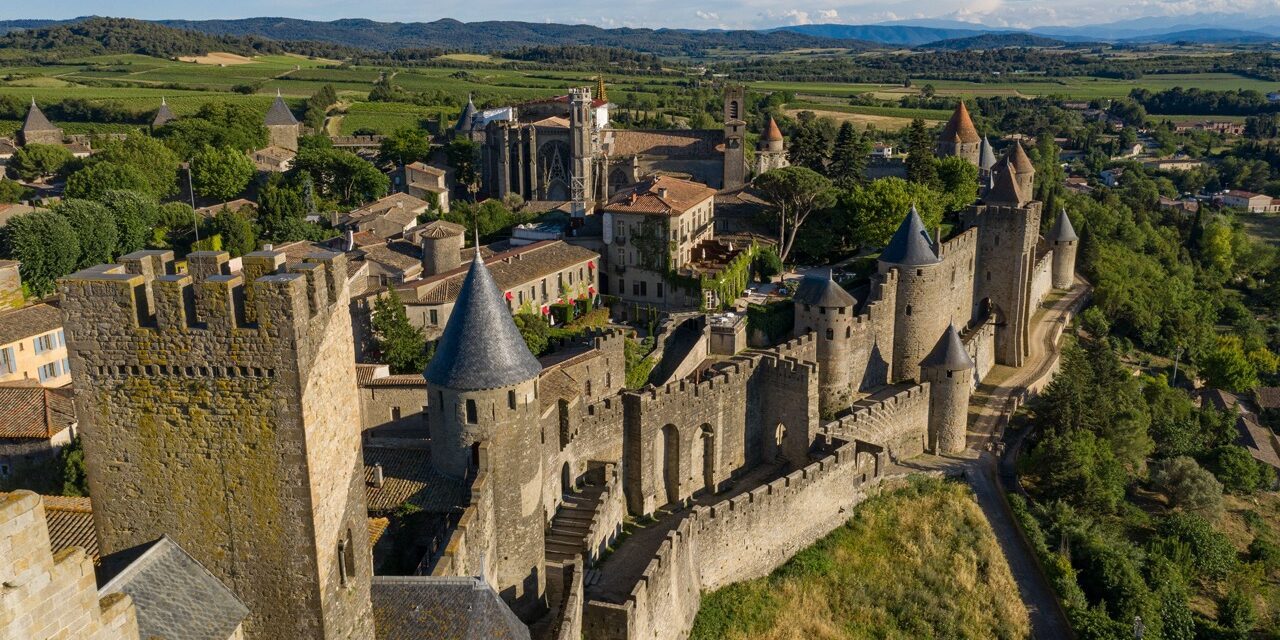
{"x": 818, "y": 291}
{"x": 960, "y": 127}
{"x": 910, "y": 244}
{"x": 1004, "y": 188}
{"x": 35, "y": 120}
{"x": 481, "y": 348}
{"x": 986, "y": 156}
{"x": 772, "y": 133}
{"x": 949, "y": 353}
{"x": 1062, "y": 229}
{"x": 468, "y": 114}
{"x": 163, "y": 115}
{"x": 1021, "y": 163}
{"x": 279, "y": 113}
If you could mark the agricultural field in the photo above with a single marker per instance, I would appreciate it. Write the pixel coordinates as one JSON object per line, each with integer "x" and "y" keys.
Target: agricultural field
{"x": 915, "y": 562}
{"x": 139, "y": 82}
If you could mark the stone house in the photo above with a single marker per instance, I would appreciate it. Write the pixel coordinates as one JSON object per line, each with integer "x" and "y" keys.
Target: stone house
{"x": 387, "y": 217}
{"x": 35, "y": 423}
{"x": 531, "y": 277}
{"x": 33, "y": 346}
{"x": 651, "y": 230}
{"x": 1249, "y": 201}
{"x": 391, "y": 404}
{"x": 425, "y": 182}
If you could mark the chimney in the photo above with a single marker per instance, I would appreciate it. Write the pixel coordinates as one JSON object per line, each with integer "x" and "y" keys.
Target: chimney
{"x": 662, "y": 192}
{"x": 377, "y": 475}
{"x": 350, "y": 243}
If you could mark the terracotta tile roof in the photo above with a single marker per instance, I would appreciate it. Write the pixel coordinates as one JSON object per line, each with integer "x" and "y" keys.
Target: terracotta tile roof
{"x": 366, "y": 371}
{"x": 399, "y": 380}
{"x": 633, "y": 142}
{"x": 436, "y": 229}
{"x": 70, "y": 523}
{"x": 1021, "y": 162}
{"x": 409, "y": 477}
{"x": 960, "y": 127}
{"x": 1268, "y": 397}
{"x": 772, "y": 133}
{"x": 425, "y": 168}
{"x": 29, "y": 411}
{"x": 377, "y": 527}
{"x": 397, "y": 206}
{"x": 397, "y": 255}
{"x": 660, "y": 195}
{"x": 553, "y": 121}
{"x": 509, "y": 269}
{"x": 1257, "y": 439}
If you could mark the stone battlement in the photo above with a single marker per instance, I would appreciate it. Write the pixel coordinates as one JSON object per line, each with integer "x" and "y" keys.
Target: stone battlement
{"x": 967, "y": 240}
{"x": 144, "y": 292}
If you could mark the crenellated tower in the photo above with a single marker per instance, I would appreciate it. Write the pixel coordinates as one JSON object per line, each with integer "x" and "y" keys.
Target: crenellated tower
{"x": 482, "y": 393}
{"x": 824, "y": 307}
{"x": 949, "y": 371}
{"x": 220, "y": 408}
{"x": 1065, "y": 244}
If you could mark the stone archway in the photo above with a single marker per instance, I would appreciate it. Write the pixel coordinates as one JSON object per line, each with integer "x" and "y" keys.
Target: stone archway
{"x": 669, "y": 442}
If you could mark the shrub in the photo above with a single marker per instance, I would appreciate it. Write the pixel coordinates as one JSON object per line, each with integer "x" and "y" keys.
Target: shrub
{"x": 1237, "y": 470}
{"x": 1210, "y": 553}
{"x": 1187, "y": 484}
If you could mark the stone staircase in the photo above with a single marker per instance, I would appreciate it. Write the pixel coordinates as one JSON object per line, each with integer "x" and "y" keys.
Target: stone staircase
{"x": 567, "y": 535}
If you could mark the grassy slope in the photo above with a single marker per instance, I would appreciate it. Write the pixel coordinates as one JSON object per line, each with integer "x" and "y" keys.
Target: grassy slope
{"x": 918, "y": 562}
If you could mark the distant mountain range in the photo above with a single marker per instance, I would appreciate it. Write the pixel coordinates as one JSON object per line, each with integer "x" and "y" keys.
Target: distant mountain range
{"x": 1217, "y": 28}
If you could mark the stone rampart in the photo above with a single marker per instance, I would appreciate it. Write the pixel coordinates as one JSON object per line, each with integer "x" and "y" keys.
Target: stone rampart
{"x": 899, "y": 423}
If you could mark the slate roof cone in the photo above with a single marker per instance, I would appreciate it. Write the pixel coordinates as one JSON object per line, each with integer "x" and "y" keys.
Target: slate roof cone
{"x": 163, "y": 115}
{"x": 35, "y": 120}
{"x": 949, "y": 353}
{"x": 822, "y": 291}
{"x": 1062, "y": 229}
{"x": 1004, "y": 187}
{"x": 910, "y": 244}
{"x": 468, "y": 114}
{"x": 481, "y": 348}
{"x": 279, "y": 113}
{"x": 987, "y": 156}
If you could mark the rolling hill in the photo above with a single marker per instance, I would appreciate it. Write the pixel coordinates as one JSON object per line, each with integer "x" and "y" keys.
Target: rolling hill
{"x": 995, "y": 41}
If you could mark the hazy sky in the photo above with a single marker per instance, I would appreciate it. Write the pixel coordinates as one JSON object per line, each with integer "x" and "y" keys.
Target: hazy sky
{"x": 653, "y": 13}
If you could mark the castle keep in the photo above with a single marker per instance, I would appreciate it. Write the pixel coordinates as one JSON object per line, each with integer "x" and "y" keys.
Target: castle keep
{"x": 220, "y": 409}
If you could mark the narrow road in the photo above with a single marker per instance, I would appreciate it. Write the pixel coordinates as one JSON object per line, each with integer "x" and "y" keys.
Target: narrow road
{"x": 985, "y": 429}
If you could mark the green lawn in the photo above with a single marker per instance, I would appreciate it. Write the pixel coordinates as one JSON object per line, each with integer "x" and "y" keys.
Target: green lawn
{"x": 915, "y": 563}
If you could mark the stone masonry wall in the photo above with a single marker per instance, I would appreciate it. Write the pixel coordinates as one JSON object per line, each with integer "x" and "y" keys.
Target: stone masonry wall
{"x": 980, "y": 342}
{"x": 899, "y": 423}
{"x": 1041, "y": 280}
{"x": 232, "y": 427}
{"x": 43, "y": 595}
{"x": 737, "y": 539}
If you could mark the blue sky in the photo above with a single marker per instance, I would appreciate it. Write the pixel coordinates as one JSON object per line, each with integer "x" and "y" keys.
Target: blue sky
{"x": 653, "y": 13}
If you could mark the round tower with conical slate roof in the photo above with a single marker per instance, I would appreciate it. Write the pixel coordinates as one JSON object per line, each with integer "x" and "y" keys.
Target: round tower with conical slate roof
{"x": 282, "y": 128}
{"x": 482, "y": 414}
{"x": 986, "y": 158}
{"x": 949, "y": 371}
{"x": 1065, "y": 243}
{"x": 824, "y": 307}
{"x": 960, "y": 138}
{"x": 918, "y": 305}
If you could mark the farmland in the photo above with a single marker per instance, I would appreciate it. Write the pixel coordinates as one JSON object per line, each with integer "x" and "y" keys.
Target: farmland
{"x": 138, "y": 82}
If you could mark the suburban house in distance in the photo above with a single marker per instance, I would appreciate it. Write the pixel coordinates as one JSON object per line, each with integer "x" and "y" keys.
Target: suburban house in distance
{"x": 1249, "y": 201}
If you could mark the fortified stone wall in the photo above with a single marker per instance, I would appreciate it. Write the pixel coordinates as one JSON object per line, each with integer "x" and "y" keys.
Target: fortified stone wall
{"x": 1007, "y": 237}
{"x": 980, "y": 341}
{"x": 1041, "y": 280}
{"x": 472, "y": 547}
{"x": 899, "y": 423}
{"x": 43, "y": 595}
{"x": 217, "y": 409}
{"x": 744, "y": 537}
{"x": 690, "y": 436}
{"x": 929, "y": 298}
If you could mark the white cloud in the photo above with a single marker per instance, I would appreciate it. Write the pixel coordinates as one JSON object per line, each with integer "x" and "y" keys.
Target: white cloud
{"x": 706, "y": 15}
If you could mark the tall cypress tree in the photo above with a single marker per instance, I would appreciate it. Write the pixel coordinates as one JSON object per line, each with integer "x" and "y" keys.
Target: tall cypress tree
{"x": 921, "y": 167}
{"x": 849, "y": 157}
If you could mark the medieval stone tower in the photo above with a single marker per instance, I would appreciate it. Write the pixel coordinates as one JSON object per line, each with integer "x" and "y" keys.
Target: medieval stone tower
{"x": 581, "y": 148}
{"x": 949, "y": 371}
{"x": 36, "y": 128}
{"x": 482, "y": 413}
{"x": 960, "y": 138}
{"x": 282, "y": 127}
{"x": 441, "y": 243}
{"x": 1008, "y": 224}
{"x": 771, "y": 152}
{"x": 921, "y": 313}
{"x": 1064, "y": 241}
{"x": 823, "y": 306}
{"x": 735, "y": 130}
{"x": 220, "y": 409}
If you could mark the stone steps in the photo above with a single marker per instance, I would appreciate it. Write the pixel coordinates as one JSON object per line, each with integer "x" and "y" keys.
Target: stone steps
{"x": 566, "y": 537}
